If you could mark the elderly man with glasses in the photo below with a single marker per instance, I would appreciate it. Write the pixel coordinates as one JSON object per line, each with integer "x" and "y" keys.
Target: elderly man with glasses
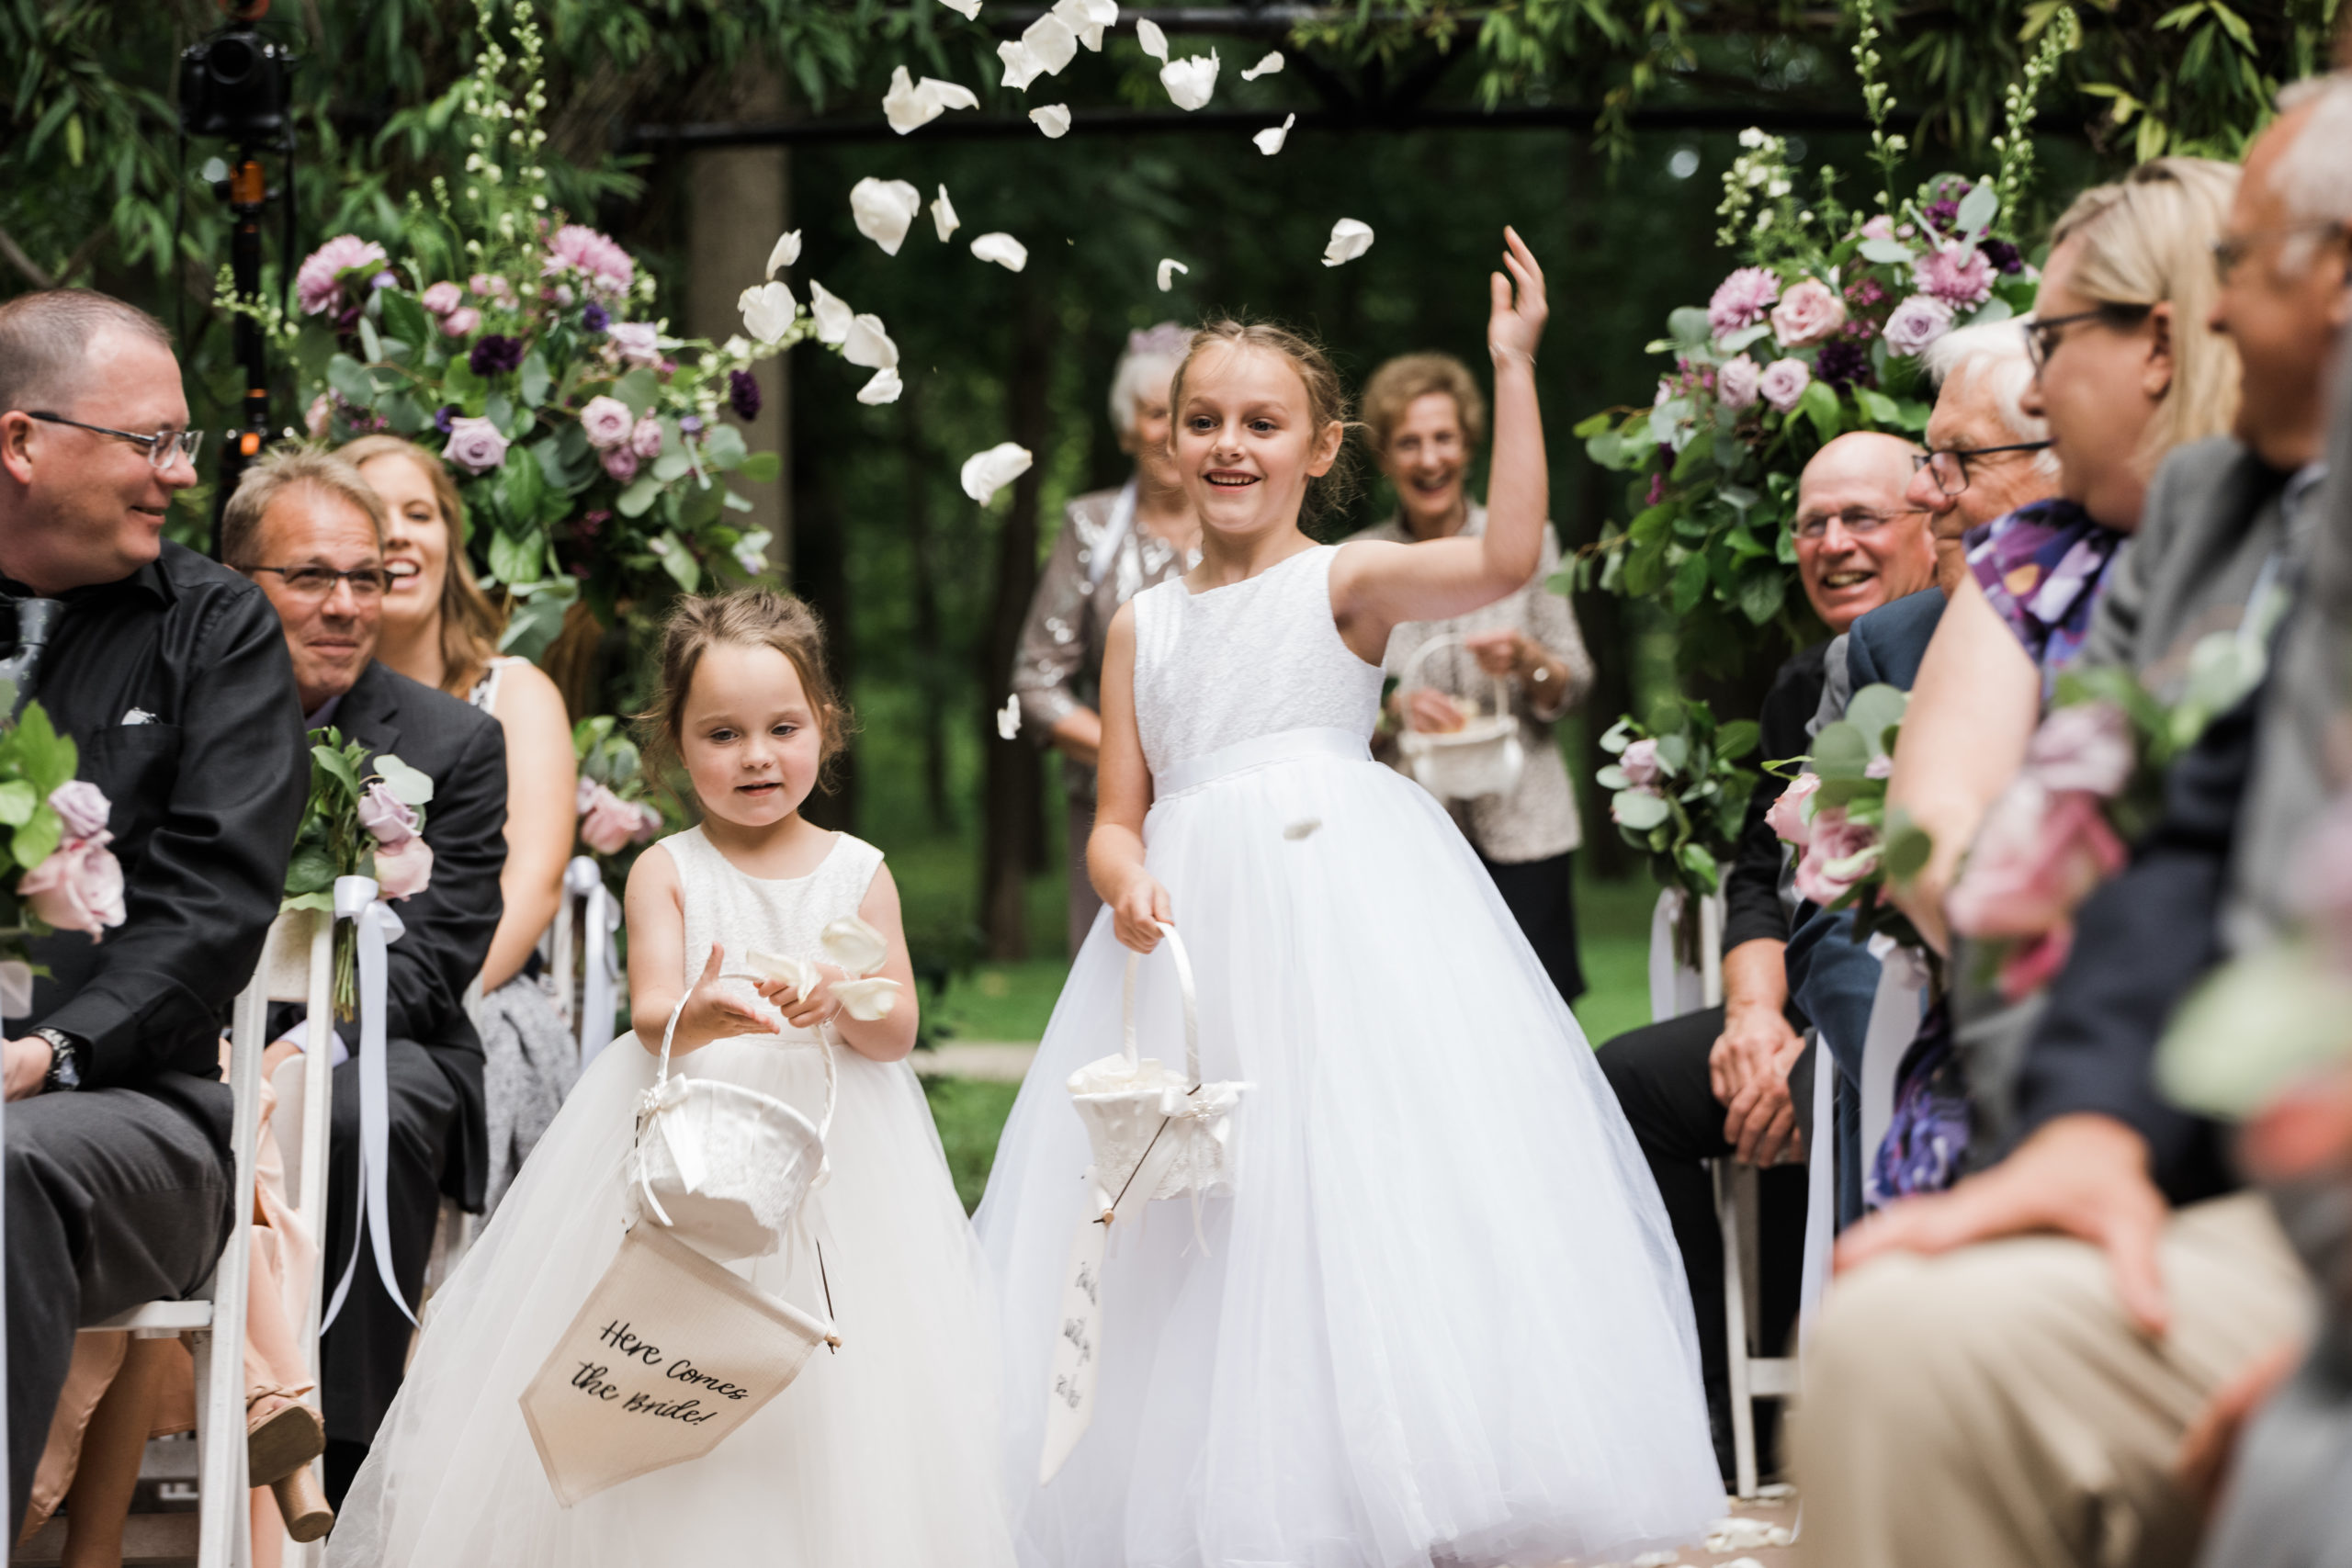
{"x": 308, "y": 529}
{"x": 168, "y": 673}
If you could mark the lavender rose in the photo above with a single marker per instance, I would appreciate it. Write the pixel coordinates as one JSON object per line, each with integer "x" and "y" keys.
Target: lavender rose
{"x": 1916, "y": 322}
{"x": 607, "y": 422}
{"x": 1807, "y": 313}
{"x": 392, "y": 819}
{"x": 1736, "y": 381}
{"x": 1741, "y": 299}
{"x": 1641, "y": 765}
{"x": 476, "y": 446}
{"x": 82, "y": 806}
{"x": 78, "y": 887}
{"x": 1784, "y": 382}
{"x": 621, "y": 463}
{"x": 403, "y": 870}
{"x": 646, "y": 439}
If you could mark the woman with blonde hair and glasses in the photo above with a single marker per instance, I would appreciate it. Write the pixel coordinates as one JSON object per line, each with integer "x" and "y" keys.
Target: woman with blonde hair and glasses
{"x": 439, "y": 628}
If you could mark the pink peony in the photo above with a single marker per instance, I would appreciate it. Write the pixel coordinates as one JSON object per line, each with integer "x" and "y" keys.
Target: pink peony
{"x": 1811, "y": 313}
{"x": 1960, "y": 274}
{"x": 405, "y": 869}
{"x": 607, "y": 422}
{"x": 1879, "y": 228}
{"x": 607, "y": 823}
{"x": 392, "y": 819}
{"x": 319, "y": 283}
{"x": 82, "y": 806}
{"x": 1916, "y": 322}
{"x": 442, "y": 299}
{"x": 461, "y": 323}
{"x": 2087, "y": 746}
{"x": 476, "y": 446}
{"x": 78, "y": 887}
{"x": 1735, "y": 383}
{"x": 1838, "y": 854}
{"x": 1641, "y": 765}
{"x": 1741, "y": 299}
{"x": 1784, "y": 382}
{"x": 489, "y": 286}
{"x": 1786, "y": 815}
{"x": 638, "y": 342}
{"x": 646, "y": 439}
{"x": 2039, "y": 855}
{"x": 318, "y": 417}
{"x": 621, "y": 463}
{"x": 577, "y": 248}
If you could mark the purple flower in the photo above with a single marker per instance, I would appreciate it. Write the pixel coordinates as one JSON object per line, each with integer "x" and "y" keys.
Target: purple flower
{"x": 743, "y": 394}
{"x": 690, "y": 424}
{"x": 607, "y": 421}
{"x": 1961, "y": 276}
{"x": 1741, "y": 299}
{"x": 442, "y": 299}
{"x": 594, "y": 317}
{"x": 1641, "y": 765}
{"x": 2003, "y": 256}
{"x": 620, "y": 462}
{"x": 1916, "y": 322}
{"x": 1783, "y": 383}
{"x": 443, "y": 415}
{"x": 384, "y": 280}
{"x": 82, "y": 806}
{"x": 392, "y": 819}
{"x": 1843, "y": 365}
{"x": 576, "y": 248}
{"x": 495, "y": 355}
{"x": 319, "y": 283}
{"x": 1735, "y": 383}
{"x": 476, "y": 446}
{"x": 591, "y": 523}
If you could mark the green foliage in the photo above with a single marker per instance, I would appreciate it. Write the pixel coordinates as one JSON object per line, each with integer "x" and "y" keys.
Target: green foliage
{"x": 1678, "y": 793}
{"x": 34, "y": 761}
{"x": 331, "y": 842}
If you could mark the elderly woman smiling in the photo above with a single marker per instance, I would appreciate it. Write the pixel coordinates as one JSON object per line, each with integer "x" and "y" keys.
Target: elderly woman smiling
{"x": 1426, "y": 418}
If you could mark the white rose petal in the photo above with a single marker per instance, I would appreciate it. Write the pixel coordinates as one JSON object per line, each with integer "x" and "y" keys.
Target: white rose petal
{"x": 854, "y": 945}
{"x": 884, "y": 388}
{"x": 767, "y": 310}
{"x": 1021, "y": 67}
{"x": 1266, "y": 67}
{"x": 786, "y": 252}
{"x": 833, "y": 315}
{"x": 869, "y": 345}
{"x": 1190, "y": 80}
{"x": 1305, "y": 826}
{"x": 1003, "y": 249}
{"x": 1087, "y": 18}
{"x": 1053, "y": 119}
{"x": 1169, "y": 268}
{"x": 1349, "y": 239}
{"x": 867, "y": 1000}
{"x": 1008, "y": 718}
{"x": 910, "y": 104}
{"x": 943, "y": 216}
{"x": 1269, "y": 141}
{"x": 797, "y": 973}
{"x": 884, "y": 210}
{"x": 970, "y": 9}
{"x": 1050, "y": 42}
{"x": 1154, "y": 42}
{"x": 987, "y": 472}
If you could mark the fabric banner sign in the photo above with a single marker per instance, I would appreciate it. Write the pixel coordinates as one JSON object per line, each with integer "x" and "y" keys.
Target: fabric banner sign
{"x": 669, "y": 1356}
{"x": 1069, "y": 1395}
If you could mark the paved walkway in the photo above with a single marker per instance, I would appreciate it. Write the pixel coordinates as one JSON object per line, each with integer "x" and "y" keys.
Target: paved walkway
{"x": 987, "y": 1061}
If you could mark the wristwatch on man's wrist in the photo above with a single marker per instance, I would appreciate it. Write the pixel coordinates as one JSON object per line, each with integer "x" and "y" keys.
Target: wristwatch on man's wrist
{"x": 64, "y": 1060}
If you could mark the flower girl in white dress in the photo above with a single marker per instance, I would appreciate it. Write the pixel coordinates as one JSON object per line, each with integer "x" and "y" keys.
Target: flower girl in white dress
{"x": 1439, "y": 1318}
{"x": 882, "y": 1455}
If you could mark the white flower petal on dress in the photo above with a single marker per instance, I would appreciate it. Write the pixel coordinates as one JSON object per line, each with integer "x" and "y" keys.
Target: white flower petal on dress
{"x": 833, "y": 314}
{"x": 854, "y": 944}
{"x": 1021, "y": 67}
{"x": 1053, "y": 119}
{"x": 867, "y": 1000}
{"x": 1269, "y": 141}
{"x": 1050, "y": 42}
{"x": 1266, "y": 67}
{"x": 1008, "y": 718}
{"x": 884, "y": 210}
{"x": 943, "y": 216}
{"x": 884, "y": 388}
{"x": 987, "y": 472}
{"x": 970, "y": 9}
{"x": 797, "y": 973}
{"x": 786, "y": 252}
{"x": 1190, "y": 80}
{"x": 1087, "y": 18}
{"x": 1304, "y": 828}
{"x": 768, "y": 311}
{"x": 1169, "y": 268}
{"x": 1349, "y": 239}
{"x": 1003, "y": 249}
{"x": 1154, "y": 42}
{"x": 869, "y": 345}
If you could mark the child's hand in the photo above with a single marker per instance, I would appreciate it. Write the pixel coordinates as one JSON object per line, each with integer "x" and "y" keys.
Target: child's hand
{"x": 1433, "y": 713}
{"x": 716, "y": 1010}
{"x": 818, "y": 1005}
{"x": 1139, "y": 911}
{"x": 1513, "y": 332}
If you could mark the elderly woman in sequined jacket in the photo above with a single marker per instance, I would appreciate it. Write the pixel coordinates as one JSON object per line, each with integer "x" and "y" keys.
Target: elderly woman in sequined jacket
{"x": 1114, "y": 545}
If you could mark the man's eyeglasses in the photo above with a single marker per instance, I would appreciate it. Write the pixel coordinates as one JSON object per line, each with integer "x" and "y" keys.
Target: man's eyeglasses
{"x": 2231, "y": 249}
{"x": 163, "y": 447}
{"x": 2044, "y": 334}
{"x": 1948, "y": 468}
{"x": 1858, "y": 521}
{"x": 317, "y": 581}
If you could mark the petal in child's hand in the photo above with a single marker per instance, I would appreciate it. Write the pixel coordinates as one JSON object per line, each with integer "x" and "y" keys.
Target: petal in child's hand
{"x": 867, "y": 1000}
{"x": 854, "y": 945}
{"x": 797, "y": 973}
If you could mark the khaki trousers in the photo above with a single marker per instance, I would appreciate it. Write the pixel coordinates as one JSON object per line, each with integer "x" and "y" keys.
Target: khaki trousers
{"x": 1994, "y": 1407}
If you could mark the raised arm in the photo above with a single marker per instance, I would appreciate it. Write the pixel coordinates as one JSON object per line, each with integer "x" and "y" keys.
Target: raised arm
{"x": 1376, "y": 586}
{"x": 542, "y": 781}
{"x": 1115, "y": 856}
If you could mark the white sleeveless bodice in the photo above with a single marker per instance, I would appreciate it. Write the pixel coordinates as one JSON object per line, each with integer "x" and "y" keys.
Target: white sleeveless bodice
{"x": 1251, "y": 659}
{"x": 786, "y": 915}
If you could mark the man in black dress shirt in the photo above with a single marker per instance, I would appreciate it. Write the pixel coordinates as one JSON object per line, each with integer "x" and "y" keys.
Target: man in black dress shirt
{"x": 168, "y": 673}
{"x": 307, "y": 528}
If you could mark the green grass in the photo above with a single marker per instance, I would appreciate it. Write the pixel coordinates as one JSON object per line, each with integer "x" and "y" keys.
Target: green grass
{"x": 970, "y": 1114}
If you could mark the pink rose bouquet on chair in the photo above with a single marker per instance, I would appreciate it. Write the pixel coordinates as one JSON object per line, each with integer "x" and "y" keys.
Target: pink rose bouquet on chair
{"x": 357, "y": 821}
{"x": 56, "y": 872}
{"x": 1836, "y": 817}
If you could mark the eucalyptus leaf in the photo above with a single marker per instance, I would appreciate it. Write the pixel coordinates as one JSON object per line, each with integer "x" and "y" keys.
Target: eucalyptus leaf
{"x": 638, "y": 496}
{"x": 1689, "y": 326}
{"x": 639, "y": 389}
{"x": 1638, "y": 810}
{"x": 1887, "y": 253}
{"x": 18, "y": 801}
{"x": 671, "y": 466}
{"x": 408, "y": 787}
{"x": 514, "y": 561}
{"x": 369, "y": 344}
{"x": 533, "y": 381}
{"x": 1875, "y": 709}
{"x": 1978, "y": 209}
{"x": 351, "y": 382}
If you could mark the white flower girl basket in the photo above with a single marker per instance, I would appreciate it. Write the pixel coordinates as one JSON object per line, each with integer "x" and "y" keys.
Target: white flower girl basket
{"x": 1484, "y": 757}
{"x": 1154, "y": 1133}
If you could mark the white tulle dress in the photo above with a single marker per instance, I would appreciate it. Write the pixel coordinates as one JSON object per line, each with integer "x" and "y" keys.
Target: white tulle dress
{"x": 1440, "y": 1319}
{"x": 883, "y": 1455}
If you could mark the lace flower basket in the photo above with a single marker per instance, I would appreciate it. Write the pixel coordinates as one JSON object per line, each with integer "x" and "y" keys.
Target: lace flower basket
{"x": 1483, "y": 757}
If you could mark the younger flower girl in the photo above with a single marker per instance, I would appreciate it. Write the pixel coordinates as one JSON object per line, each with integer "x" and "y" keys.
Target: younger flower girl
{"x": 881, "y": 1455}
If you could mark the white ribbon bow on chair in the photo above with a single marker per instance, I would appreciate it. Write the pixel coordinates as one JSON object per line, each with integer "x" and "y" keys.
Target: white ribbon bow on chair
{"x": 600, "y": 964}
{"x": 355, "y": 900}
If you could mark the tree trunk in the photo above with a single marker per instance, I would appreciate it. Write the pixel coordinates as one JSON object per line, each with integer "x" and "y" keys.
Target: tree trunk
{"x": 1011, "y": 836}
{"x": 929, "y": 649}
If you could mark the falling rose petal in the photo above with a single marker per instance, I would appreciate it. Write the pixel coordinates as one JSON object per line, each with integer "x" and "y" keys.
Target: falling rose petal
{"x": 1169, "y": 268}
{"x": 1154, "y": 42}
{"x": 884, "y": 388}
{"x": 869, "y": 345}
{"x": 1053, "y": 119}
{"x": 833, "y": 314}
{"x": 1051, "y": 42}
{"x": 854, "y": 944}
{"x": 1190, "y": 80}
{"x": 1008, "y": 718}
{"x": 1003, "y": 249}
{"x": 867, "y": 1000}
{"x": 1021, "y": 67}
{"x": 968, "y": 9}
{"x": 786, "y": 252}
{"x": 1087, "y": 18}
{"x": 884, "y": 210}
{"x": 987, "y": 472}
{"x": 797, "y": 973}
{"x": 1349, "y": 239}
{"x": 1266, "y": 67}
{"x": 1304, "y": 827}
{"x": 768, "y": 310}
{"x": 943, "y": 216}
{"x": 1269, "y": 141}
{"x": 910, "y": 104}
